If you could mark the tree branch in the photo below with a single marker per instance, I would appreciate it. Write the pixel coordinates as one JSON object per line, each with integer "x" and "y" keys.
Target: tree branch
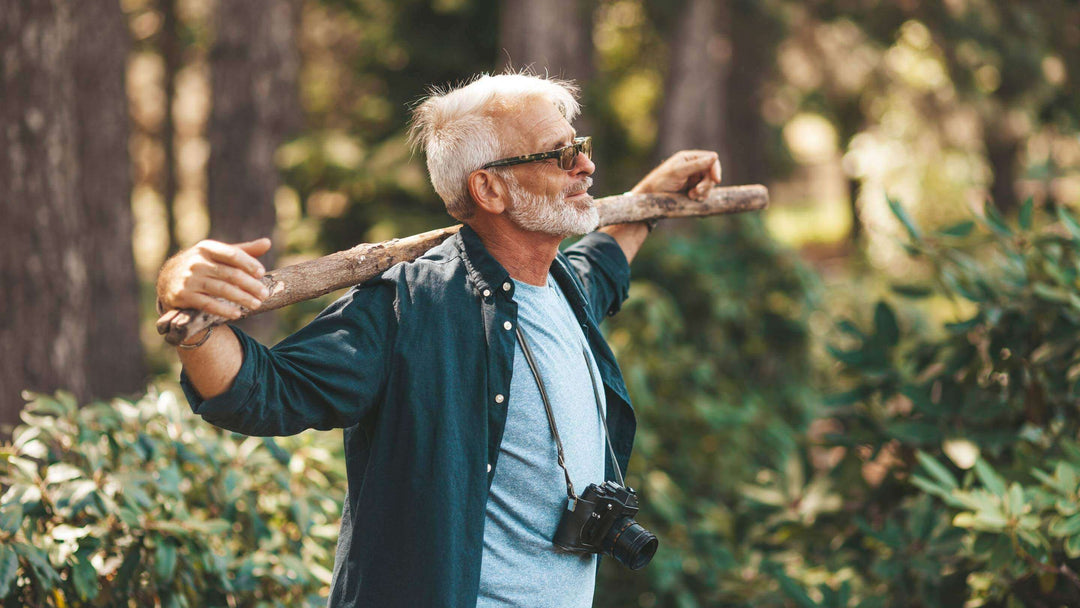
{"x": 314, "y": 278}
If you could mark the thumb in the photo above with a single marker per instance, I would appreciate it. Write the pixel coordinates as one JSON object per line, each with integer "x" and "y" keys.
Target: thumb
{"x": 255, "y": 248}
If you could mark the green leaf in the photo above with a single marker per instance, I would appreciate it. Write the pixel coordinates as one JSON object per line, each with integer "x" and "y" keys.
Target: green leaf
{"x": 914, "y": 431}
{"x": 85, "y": 578}
{"x": 848, "y": 357}
{"x": 962, "y": 327}
{"x": 11, "y": 518}
{"x": 1069, "y": 222}
{"x": 885, "y": 325}
{"x": 127, "y": 569}
{"x": 9, "y": 567}
{"x": 1052, "y": 294}
{"x": 937, "y": 470}
{"x": 1072, "y": 547}
{"x": 958, "y": 230}
{"x": 1069, "y": 526}
{"x": 995, "y": 221}
{"x": 1015, "y": 499}
{"x": 912, "y": 291}
{"x": 989, "y": 477}
{"x": 39, "y": 561}
{"x": 792, "y": 589}
{"x": 1025, "y": 213}
{"x": 165, "y": 560}
{"x": 61, "y": 472}
{"x": 905, "y": 219}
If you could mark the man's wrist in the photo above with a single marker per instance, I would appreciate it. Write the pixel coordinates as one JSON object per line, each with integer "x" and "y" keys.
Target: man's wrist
{"x": 193, "y": 344}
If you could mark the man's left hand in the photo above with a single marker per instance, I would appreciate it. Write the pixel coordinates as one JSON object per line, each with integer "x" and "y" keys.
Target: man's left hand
{"x": 690, "y": 172}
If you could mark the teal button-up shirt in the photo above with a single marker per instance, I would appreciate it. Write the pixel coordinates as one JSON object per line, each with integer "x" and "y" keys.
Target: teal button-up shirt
{"x": 415, "y": 365}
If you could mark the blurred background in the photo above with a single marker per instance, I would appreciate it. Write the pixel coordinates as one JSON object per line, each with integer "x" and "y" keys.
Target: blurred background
{"x": 864, "y": 396}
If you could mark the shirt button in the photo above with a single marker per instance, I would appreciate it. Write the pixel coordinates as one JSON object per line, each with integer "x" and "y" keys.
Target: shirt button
{"x": 508, "y": 326}
{"x": 487, "y": 293}
{"x": 499, "y": 398}
{"x": 489, "y": 467}
{"x": 506, "y": 286}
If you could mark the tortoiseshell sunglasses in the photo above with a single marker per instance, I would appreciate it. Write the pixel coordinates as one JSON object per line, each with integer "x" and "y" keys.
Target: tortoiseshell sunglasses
{"x": 566, "y": 156}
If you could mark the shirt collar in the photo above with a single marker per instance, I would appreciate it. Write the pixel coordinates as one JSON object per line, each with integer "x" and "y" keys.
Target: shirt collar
{"x": 484, "y": 270}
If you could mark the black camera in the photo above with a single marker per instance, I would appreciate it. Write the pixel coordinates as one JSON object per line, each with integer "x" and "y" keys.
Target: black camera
{"x": 601, "y": 520}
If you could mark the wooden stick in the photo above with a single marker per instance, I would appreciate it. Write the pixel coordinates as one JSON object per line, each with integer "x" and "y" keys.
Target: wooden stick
{"x": 314, "y": 278}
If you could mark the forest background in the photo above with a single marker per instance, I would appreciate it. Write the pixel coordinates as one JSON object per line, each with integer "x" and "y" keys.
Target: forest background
{"x": 864, "y": 396}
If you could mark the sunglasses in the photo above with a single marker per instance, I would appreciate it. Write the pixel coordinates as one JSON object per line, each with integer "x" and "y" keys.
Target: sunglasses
{"x": 566, "y": 156}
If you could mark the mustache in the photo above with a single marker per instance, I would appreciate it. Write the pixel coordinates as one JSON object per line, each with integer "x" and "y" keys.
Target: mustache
{"x": 584, "y": 184}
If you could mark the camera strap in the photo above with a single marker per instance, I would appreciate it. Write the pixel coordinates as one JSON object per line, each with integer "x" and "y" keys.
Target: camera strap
{"x": 551, "y": 416}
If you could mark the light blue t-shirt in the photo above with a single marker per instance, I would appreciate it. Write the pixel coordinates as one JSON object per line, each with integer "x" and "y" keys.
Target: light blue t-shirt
{"x": 520, "y": 566}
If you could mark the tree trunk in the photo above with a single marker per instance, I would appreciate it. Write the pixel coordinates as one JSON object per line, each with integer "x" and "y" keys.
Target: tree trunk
{"x": 753, "y": 59}
{"x": 254, "y": 66}
{"x": 44, "y": 284}
{"x": 101, "y": 49}
{"x": 1001, "y": 151}
{"x": 551, "y": 37}
{"x": 696, "y": 90}
{"x": 170, "y": 48}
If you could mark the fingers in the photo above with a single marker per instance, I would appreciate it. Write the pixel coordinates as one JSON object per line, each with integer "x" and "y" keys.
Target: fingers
{"x": 196, "y": 286}
{"x": 213, "y": 306}
{"x": 232, "y": 293}
{"x": 233, "y": 256}
{"x": 716, "y": 171}
{"x": 701, "y": 189}
{"x": 255, "y": 248}
{"x": 690, "y": 162}
{"x": 235, "y": 276}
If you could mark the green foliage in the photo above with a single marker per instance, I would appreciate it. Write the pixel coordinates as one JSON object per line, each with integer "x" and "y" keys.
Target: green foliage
{"x": 978, "y": 419}
{"x": 142, "y": 504}
{"x": 945, "y": 472}
{"x": 714, "y": 346}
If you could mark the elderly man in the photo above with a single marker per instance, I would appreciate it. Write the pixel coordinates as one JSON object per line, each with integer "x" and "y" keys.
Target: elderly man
{"x": 455, "y": 481}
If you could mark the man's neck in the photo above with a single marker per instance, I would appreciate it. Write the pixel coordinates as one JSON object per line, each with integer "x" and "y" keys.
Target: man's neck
{"x": 527, "y": 256}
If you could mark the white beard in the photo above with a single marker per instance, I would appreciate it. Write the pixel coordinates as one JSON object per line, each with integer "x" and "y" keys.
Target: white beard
{"x": 551, "y": 215}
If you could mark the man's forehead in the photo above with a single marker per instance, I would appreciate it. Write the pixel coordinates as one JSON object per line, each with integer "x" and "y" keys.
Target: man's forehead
{"x": 534, "y": 121}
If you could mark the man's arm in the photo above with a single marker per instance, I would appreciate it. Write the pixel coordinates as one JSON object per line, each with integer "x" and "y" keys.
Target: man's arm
{"x": 218, "y": 278}
{"x": 692, "y": 172}
{"x": 326, "y": 375}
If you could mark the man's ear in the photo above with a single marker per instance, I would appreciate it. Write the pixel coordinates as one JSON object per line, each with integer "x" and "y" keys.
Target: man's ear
{"x": 489, "y": 191}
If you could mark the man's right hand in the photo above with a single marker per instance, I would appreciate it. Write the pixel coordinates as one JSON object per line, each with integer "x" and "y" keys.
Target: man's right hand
{"x": 199, "y": 276}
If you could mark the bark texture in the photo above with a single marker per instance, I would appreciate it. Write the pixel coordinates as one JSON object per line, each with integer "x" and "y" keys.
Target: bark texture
{"x": 68, "y": 290}
{"x": 551, "y": 36}
{"x": 254, "y": 67}
{"x": 693, "y": 114}
{"x": 103, "y": 129}
{"x": 314, "y": 278}
{"x": 44, "y": 283}
{"x": 171, "y": 53}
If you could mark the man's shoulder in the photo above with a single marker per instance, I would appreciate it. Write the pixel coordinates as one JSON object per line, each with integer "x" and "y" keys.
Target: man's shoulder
{"x": 437, "y": 264}
{"x": 432, "y": 273}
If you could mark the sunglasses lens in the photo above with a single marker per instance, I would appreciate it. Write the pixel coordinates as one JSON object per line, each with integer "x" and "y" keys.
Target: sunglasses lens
{"x": 569, "y": 154}
{"x": 567, "y": 157}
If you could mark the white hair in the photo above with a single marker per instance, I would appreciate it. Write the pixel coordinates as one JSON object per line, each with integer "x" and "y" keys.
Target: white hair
{"x": 456, "y": 128}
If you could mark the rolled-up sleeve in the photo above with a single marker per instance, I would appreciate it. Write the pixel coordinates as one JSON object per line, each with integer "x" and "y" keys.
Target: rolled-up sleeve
{"x": 602, "y": 267}
{"x": 329, "y": 374}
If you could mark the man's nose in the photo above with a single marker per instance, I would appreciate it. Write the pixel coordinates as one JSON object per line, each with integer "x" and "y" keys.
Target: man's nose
{"x": 583, "y": 165}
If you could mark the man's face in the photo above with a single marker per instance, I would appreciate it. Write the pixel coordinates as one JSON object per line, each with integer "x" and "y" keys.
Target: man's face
{"x": 545, "y": 198}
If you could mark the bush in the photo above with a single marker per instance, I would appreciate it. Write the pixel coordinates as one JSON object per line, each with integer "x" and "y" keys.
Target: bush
{"x": 978, "y": 420}
{"x": 144, "y": 504}
{"x": 941, "y": 471}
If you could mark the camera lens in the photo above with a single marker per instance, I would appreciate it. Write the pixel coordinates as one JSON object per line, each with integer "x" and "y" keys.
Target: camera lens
{"x": 630, "y": 543}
